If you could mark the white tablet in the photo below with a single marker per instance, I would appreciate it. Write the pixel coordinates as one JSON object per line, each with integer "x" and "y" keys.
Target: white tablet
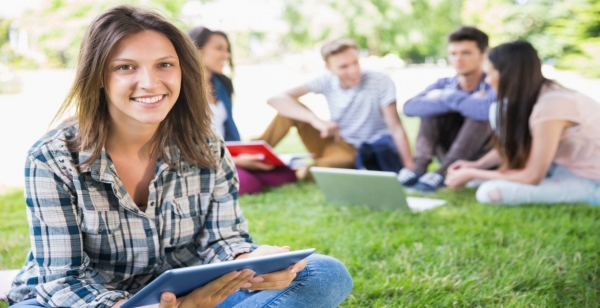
{"x": 182, "y": 281}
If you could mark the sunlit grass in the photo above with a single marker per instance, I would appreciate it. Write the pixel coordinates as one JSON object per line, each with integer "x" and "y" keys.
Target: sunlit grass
{"x": 463, "y": 254}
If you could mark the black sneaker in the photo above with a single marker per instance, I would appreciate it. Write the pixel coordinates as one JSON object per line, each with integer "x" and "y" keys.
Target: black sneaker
{"x": 429, "y": 182}
{"x": 407, "y": 177}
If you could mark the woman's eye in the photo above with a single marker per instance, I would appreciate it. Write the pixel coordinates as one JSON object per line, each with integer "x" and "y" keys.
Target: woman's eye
{"x": 166, "y": 64}
{"x": 124, "y": 67}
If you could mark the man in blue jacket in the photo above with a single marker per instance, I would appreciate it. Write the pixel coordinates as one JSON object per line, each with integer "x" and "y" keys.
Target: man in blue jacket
{"x": 453, "y": 111}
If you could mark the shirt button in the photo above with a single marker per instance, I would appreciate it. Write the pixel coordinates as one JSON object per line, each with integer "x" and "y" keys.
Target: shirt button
{"x": 149, "y": 232}
{"x": 100, "y": 229}
{"x": 152, "y": 203}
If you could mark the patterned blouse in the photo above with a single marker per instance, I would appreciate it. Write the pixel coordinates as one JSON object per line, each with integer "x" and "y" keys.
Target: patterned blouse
{"x": 91, "y": 245}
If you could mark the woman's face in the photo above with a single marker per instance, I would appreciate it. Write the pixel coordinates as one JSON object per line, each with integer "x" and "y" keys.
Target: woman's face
{"x": 215, "y": 53}
{"x": 142, "y": 79}
{"x": 492, "y": 76}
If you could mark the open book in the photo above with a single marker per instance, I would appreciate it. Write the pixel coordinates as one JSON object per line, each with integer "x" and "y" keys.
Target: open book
{"x": 270, "y": 157}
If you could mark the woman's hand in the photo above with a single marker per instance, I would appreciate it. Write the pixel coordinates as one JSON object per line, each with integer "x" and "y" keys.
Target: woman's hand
{"x": 252, "y": 162}
{"x": 211, "y": 294}
{"x": 459, "y": 177}
{"x": 461, "y": 164}
{"x": 275, "y": 280}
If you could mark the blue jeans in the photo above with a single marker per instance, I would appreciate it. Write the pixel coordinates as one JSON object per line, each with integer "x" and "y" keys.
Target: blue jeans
{"x": 381, "y": 155}
{"x": 559, "y": 186}
{"x": 324, "y": 282}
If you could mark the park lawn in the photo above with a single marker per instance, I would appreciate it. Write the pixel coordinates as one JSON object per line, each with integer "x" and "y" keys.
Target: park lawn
{"x": 463, "y": 254}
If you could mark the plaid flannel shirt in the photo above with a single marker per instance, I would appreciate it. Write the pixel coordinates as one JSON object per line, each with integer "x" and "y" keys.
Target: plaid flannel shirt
{"x": 90, "y": 244}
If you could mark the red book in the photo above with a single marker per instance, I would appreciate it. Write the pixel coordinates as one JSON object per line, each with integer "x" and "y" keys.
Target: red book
{"x": 260, "y": 147}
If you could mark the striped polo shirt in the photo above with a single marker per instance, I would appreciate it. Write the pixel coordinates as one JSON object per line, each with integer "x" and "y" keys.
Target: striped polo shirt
{"x": 357, "y": 110}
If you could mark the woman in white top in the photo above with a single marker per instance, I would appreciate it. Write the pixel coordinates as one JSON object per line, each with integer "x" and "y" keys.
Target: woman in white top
{"x": 254, "y": 174}
{"x": 547, "y": 140}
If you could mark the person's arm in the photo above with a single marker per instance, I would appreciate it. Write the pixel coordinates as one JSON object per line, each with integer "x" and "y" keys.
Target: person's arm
{"x": 287, "y": 105}
{"x": 276, "y": 280}
{"x": 57, "y": 242}
{"x": 489, "y": 160}
{"x": 226, "y": 230}
{"x": 545, "y": 139}
{"x": 390, "y": 115}
{"x": 427, "y": 103}
{"x": 475, "y": 106}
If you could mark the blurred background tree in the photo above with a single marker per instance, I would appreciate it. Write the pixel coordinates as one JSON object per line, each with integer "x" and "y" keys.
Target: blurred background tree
{"x": 565, "y": 32}
{"x": 57, "y": 27}
{"x": 414, "y": 30}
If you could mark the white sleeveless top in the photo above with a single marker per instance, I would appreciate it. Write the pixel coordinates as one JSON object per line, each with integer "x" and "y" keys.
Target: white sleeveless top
{"x": 219, "y": 116}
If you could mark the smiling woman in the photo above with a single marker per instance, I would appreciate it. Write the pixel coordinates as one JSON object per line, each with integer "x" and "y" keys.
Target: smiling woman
{"x": 137, "y": 183}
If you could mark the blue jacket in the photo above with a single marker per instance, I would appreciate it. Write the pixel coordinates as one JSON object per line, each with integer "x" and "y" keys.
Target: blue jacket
{"x": 223, "y": 90}
{"x": 452, "y": 99}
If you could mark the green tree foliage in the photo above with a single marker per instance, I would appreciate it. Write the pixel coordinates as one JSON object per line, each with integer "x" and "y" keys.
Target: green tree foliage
{"x": 413, "y": 29}
{"x": 58, "y": 27}
{"x": 565, "y": 32}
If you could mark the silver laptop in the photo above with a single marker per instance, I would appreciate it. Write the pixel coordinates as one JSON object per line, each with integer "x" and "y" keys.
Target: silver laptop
{"x": 376, "y": 189}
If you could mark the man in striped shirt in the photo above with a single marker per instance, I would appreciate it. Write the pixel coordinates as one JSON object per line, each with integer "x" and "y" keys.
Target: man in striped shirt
{"x": 364, "y": 120}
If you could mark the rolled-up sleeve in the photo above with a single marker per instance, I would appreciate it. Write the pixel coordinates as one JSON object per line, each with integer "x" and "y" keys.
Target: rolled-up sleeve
{"x": 469, "y": 105}
{"x": 58, "y": 276}
{"x": 226, "y": 231}
{"x": 425, "y": 107}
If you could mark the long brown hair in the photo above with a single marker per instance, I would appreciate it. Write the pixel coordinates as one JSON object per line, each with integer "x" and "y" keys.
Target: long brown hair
{"x": 201, "y": 35}
{"x": 521, "y": 80}
{"x": 188, "y": 122}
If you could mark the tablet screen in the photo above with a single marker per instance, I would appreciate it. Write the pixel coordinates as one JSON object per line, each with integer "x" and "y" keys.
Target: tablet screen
{"x": 182, "y": 281}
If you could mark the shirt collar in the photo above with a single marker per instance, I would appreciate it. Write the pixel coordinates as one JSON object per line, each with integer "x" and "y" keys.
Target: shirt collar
{"x": 482, "y": 85}
{"x": 336, "y": 83}
{"x": 100, "y": 169}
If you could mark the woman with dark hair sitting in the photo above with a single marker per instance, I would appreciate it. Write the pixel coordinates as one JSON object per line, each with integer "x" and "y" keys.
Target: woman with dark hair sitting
{"x": 137, "y": 184}
{"x": 547, "y": 140}
{"x": 215, "y": 52}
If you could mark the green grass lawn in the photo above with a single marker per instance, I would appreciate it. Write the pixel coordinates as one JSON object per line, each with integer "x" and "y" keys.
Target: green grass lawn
{"x": 463, "y": 254}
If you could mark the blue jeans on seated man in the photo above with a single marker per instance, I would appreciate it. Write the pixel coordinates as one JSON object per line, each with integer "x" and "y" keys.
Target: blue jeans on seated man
{"x": 381, "y": 155}
{"x": 323, "y": 283}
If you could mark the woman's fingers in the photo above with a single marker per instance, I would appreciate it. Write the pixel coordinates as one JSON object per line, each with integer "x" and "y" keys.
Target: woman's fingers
{"x": 299, "y": 266}
{"x": 273, "y": 281}
{"x": 455, "y": 165}
{"x": 262, "y": 166}
{"x": 265, "y": 250}
{"x": 167, "y": 300}
{"x": 241, "y": 281}
{"x": 216, "y": 285}
{"x": 216, "y": 291}
{"x": 277, "y": 280}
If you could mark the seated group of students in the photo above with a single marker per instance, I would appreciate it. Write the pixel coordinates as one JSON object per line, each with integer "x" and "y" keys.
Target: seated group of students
{"x": 137, "y": 183}
{"x": 542, "y": 147}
